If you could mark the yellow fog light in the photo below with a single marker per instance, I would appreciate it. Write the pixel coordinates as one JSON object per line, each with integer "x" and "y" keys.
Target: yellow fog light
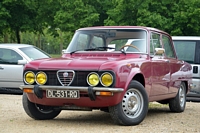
{"x": 29, "y": 77}
{"x": 93, "y": 79}
{"x": 106, "y": 79}
{"x": 41, "y": 78}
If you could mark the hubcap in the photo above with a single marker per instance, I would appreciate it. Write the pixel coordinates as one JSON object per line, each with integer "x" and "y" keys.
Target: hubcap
{"x": 182, "y": 96}
{"x": 132, "y": 103}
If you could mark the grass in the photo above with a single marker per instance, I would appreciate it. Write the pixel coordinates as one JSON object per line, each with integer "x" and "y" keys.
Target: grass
{"x": 55, "y": 55}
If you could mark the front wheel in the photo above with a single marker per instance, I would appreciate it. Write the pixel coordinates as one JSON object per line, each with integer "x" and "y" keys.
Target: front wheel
{"x": 178, "y": 103}
{"x": 133, "y": 107}
{"x": 37, "y": 111}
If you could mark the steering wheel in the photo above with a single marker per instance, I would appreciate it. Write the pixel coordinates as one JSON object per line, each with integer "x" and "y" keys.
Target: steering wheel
{"x": 129, "y": 45}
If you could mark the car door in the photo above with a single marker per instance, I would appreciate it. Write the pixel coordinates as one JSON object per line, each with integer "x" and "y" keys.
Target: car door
{"x": 175, "y": 65}
{"x": 10, "y": 71}
{"x": 160, "y": 68}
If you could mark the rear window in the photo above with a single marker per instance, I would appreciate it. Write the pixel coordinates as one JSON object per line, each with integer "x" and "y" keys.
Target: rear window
{"x": 185, "y": 50}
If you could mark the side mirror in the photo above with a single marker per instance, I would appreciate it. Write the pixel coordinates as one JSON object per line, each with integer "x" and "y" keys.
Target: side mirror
{"x": 159, "y": 51}
{"x": 22, "y": 62}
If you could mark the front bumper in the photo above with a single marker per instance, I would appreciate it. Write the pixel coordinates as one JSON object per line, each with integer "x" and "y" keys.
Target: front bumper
{"x": 92, "y": 92}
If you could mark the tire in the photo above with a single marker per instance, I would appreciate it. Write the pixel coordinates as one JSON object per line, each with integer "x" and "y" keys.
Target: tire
{"x": 133, "y": 108}
{"x": 37, "y": 111}
{"x": 178, "y": 103}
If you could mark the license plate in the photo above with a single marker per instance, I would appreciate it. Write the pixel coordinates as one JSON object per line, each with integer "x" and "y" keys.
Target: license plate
{"x": 72, "y": 94}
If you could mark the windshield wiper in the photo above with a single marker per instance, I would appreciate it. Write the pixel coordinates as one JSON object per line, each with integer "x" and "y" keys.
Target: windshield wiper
{"x": 75, "y": 51}
{"x": 98, "y": 49}
{"x": 93, "y": 49}
{"x": 105, "y": 48}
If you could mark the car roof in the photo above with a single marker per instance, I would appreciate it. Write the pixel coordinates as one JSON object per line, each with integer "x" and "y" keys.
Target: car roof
{"x": 185, "y": 37}
{"x": 121, "y": 27}
{"x": 14, "y": 45}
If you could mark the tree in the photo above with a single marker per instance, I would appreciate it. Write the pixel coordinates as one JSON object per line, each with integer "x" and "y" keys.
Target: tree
{"x": 187, "y": 18}
{"x": 179, "y": 17}
{"x": 75, "y": 14}
{"x": 20, "y": 17}
{"x": 124, "y": 12}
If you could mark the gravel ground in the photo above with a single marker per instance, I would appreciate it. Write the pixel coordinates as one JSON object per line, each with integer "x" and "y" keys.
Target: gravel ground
{"x": 13, "y": 119}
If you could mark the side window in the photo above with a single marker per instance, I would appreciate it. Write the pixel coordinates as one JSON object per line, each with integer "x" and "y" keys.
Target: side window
{"x": 154, "y": 42}
{"x": 168, "y": 47}
{"x": 1, "y": 56}
{"x": 8, "y": 56}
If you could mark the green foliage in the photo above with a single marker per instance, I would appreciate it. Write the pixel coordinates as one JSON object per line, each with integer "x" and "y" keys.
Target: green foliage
{"x": 75, "y": 14}
{"x": 55, "y": 55}
{"x": 50, "y": 24}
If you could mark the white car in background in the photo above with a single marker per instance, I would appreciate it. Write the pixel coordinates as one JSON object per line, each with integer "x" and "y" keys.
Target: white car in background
{"x": 13, "y": 57}
{"x": 187, "y": 49}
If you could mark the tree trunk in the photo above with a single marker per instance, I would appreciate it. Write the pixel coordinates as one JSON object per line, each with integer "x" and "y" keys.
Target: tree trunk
{"x": 5, "y": 37}
{"x": 39, "y": 40}
{"x": 61, "y": 42}
{"x": 18, "y": 36}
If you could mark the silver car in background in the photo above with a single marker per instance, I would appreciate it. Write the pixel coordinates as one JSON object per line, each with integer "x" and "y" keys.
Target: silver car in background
{"x": 13, "y": 57}
{"x": 188, "y": 49}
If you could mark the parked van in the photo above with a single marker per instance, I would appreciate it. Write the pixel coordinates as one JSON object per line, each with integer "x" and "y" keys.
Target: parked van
{"x": 188, "y": 49}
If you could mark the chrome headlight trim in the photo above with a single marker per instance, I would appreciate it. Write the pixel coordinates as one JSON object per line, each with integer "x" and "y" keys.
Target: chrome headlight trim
{"x": 94, "y": 74}
{"x": 25, "y": 77}
{"x": 37, "y": 75}
{"x": 102, "y": 81}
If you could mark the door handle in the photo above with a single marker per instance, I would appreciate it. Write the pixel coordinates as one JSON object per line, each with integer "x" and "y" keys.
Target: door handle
{"x": 1, "y": 68}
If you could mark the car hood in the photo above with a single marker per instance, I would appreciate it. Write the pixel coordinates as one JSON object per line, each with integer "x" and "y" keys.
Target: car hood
{"x": 79, "y": 63}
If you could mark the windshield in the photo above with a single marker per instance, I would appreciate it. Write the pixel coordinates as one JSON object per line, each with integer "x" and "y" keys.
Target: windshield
{"x": 109, "y": 40}
{"x": 34, "y": 53}
{"x": 185, "y": 50}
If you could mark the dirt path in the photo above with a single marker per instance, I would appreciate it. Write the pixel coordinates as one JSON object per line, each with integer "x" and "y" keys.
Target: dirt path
{"x": 13, "y": 119}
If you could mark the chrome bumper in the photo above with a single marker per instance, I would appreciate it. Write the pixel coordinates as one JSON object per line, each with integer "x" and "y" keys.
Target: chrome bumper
{"x": 92, "y": 91}
{"x": 42, "y": 87}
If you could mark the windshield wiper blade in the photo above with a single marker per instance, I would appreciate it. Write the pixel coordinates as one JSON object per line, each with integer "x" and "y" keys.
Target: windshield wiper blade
{"x": 90, "y": 49}
{"x": 93, "y": 49}
{"x": 75, "y": 51}
{"x": 99, "y": 48}
{"x": 105, "y": 48}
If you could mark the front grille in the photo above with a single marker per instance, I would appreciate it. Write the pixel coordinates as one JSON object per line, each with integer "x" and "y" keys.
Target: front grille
{"x": 69, "y": 78}
{"x": 65, "y": 77}
{"x": 52, "y": 78}
{"x": 80, "y": 78}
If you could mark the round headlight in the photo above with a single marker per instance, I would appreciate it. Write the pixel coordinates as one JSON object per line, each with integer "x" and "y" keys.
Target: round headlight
{"x": 106, "y": 79}
{"x": 29, "y": 77}
{"x": 93, "y": 79}
{"x": 41, "y": 78}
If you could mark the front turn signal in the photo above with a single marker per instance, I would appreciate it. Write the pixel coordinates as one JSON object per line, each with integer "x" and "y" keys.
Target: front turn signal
{"x": 28, "y": 90}
{"x": 104, "y": 93}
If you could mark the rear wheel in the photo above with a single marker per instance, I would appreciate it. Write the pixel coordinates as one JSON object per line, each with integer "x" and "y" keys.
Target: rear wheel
{"x": 37, "y": 111}
{"x": 133, "y": 107}
{"x": 178, "y": 103}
